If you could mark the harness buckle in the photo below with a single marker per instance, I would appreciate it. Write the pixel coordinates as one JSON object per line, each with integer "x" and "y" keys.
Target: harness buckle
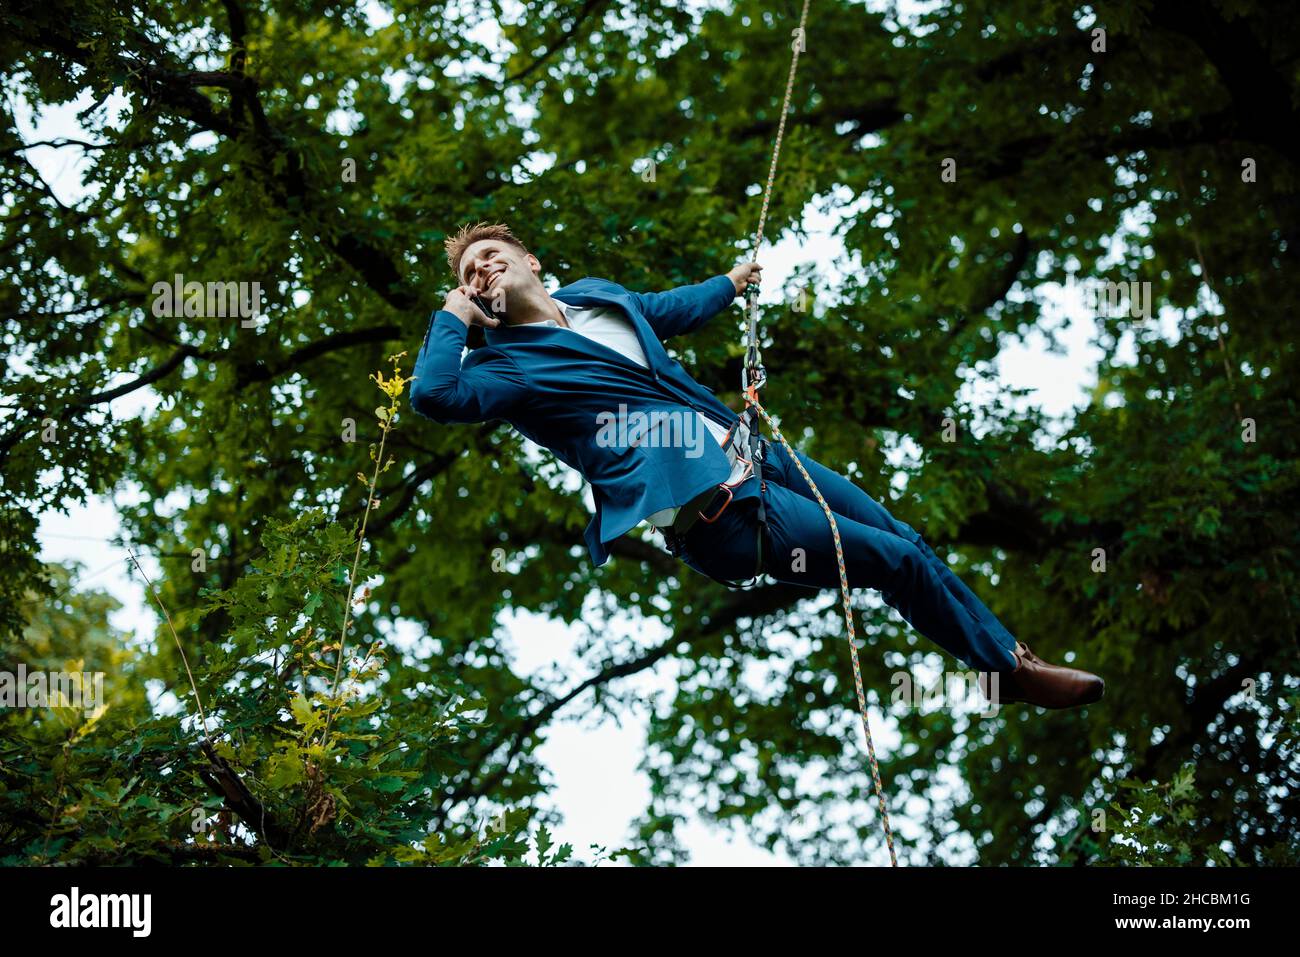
{"x": 718, "y": 514}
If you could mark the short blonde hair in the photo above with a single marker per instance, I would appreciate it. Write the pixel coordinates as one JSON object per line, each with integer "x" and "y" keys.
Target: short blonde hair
{"x": 468, "y": 235}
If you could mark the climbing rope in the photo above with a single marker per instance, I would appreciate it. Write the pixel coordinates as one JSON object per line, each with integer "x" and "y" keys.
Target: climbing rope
{"x": 753, "y": 377}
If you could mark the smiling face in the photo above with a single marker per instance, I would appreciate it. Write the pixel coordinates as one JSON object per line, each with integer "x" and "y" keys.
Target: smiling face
{"x": 498, "y": 270}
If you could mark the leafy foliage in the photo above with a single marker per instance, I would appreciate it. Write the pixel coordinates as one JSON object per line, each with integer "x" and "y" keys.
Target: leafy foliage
{"x": 296, "y": 747}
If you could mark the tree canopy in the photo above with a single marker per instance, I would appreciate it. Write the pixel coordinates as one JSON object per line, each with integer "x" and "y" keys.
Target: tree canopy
{"x": 983, "y": 152}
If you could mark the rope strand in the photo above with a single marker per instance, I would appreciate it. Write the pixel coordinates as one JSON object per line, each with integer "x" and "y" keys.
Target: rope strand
{"x": 752, "y": 379}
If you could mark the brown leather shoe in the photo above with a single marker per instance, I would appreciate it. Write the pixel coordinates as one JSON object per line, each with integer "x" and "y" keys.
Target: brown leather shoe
{"x": 1035, "y": 681}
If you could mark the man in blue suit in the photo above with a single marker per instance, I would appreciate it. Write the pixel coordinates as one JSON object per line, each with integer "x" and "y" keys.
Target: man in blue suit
{"x": 583, "y": 372}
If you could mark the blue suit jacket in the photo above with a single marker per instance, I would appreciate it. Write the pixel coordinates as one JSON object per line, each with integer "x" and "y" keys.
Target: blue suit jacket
{"x": 553, "y": 385}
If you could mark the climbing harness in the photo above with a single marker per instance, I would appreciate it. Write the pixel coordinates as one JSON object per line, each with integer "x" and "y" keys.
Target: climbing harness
{"x": 714, "y": 499}
{"x": 752, "y": 378}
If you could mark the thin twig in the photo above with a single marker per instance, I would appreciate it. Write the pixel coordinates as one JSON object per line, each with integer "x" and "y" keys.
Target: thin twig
{"x": 179, "y": 647}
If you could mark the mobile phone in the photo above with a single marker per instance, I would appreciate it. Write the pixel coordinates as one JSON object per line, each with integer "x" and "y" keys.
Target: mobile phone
{"x": 483, "y": 304}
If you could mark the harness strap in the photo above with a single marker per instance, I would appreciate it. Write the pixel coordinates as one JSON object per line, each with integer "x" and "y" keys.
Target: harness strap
{"x": 756, "y": 457}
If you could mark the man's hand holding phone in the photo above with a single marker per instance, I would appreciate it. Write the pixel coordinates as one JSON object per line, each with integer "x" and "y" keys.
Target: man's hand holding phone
{"x": 461, "y": 304}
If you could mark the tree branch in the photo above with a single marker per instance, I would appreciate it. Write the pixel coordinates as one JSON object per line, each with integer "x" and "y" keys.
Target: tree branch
{"x": 567, "y": 34}
{"x": 754, "y": 603}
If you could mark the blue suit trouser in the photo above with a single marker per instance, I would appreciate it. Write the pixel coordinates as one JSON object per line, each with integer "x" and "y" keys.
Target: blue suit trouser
{"x": 880, "y": 552}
